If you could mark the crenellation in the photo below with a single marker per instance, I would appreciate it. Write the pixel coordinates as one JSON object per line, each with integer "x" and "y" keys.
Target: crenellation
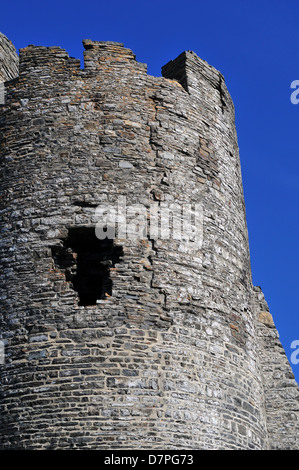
{"x": 44, "y": 62}
{"x": 104, "y": 55}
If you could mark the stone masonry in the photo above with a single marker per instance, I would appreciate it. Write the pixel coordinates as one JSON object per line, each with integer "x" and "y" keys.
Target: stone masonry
{"x": 9, "y": 64}
{"x": 139, "y": 340}
{"x": 9, "y": 60}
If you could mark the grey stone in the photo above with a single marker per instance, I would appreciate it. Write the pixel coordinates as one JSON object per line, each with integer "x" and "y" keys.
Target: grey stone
{"x": 175, "y": 348}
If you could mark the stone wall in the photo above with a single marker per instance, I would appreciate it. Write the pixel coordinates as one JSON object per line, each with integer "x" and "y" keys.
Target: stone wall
{"x": 9, "y": 64}
{"x": 281, "y": 389}
{"x": 162, "y": 352}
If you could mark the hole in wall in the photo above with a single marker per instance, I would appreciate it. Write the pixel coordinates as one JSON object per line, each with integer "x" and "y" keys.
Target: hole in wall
{"x": 86, "y": 261}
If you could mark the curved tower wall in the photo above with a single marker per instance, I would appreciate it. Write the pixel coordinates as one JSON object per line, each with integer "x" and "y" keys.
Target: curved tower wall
{"x": 162, "y": 352}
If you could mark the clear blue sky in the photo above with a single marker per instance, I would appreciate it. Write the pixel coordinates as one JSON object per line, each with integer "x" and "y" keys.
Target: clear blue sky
{"x": 255, "y": 44}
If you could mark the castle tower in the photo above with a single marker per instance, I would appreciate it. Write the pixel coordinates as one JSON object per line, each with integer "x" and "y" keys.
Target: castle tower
{"x": 128, "y": 316}
{"x": 9, "y": 64}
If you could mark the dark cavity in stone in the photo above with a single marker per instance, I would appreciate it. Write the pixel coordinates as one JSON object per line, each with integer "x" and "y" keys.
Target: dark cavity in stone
{"x": 86, "y": 262}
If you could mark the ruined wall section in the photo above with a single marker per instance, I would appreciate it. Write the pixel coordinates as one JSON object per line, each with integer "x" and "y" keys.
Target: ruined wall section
{"x": 9, "y": 60}
{"x": 169, "y": 358}
{"x": 281, "y": 389}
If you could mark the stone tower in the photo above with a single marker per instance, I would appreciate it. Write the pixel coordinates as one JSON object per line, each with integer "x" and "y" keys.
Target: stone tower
{"x": 128, "y": 314}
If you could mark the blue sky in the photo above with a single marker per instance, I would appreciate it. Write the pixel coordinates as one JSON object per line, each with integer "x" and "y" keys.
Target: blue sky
{"x": 255, "y": 44}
